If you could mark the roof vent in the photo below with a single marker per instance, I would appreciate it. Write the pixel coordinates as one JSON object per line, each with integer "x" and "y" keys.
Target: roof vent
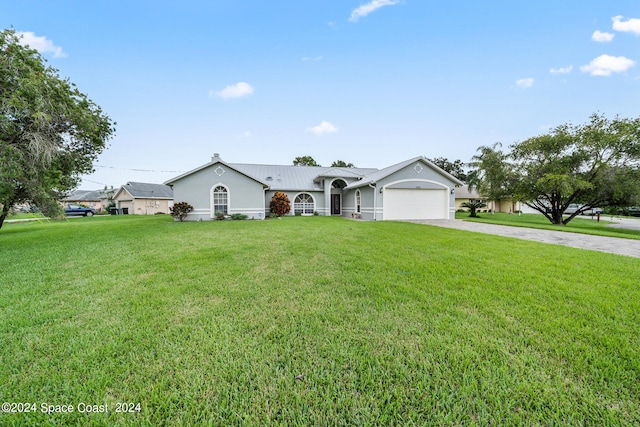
{"x": 216, "y": 156}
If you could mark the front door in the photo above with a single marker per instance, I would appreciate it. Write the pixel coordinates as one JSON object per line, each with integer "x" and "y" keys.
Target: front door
{"x": 335, "y": 204}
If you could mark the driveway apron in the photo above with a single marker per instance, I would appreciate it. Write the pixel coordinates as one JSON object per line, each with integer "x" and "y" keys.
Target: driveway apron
{"x": 612, "y": 245}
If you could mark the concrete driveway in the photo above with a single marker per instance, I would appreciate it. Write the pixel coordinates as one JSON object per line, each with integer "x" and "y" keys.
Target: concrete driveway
{"x": 630, "y": 223}
{"x": 612, "y": 245}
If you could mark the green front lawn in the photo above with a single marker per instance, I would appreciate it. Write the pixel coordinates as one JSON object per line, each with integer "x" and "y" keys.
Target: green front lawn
{"x": 312, "y": 321}
{"x": 23, "y": 215}
{"x": 580, "y": 224}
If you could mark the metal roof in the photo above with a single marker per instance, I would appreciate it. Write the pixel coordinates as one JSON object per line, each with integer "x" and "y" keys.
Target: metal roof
{"x": 383, "y": 173}
{"x": 302, "y": 178}
{"x": 308, "y": 178}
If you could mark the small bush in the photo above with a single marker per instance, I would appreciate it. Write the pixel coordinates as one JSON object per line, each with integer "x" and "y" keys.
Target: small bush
{"x": 180, "y": 210}
{"x": 238, "y": 216}
{"x": 219, "y": 215}
{"x": 280, "y": 204}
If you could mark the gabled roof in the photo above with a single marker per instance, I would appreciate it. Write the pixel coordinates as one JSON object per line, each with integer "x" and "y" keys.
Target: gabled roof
{"x": 376, "y": 176}
{"x": 143, "y": 190}
{"x": 216, "y": 160}
{"x": 87, "y": 195}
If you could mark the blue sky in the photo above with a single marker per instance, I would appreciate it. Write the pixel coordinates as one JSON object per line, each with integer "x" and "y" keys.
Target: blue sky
{"x": 368, "y": 82}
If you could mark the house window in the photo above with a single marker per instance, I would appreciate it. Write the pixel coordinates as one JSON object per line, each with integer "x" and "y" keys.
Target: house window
{"x": 338, "y": 183}
{"x": 220, "y": 200}
{"x": 358, "y": 201}
{"x": 304, "y": 204}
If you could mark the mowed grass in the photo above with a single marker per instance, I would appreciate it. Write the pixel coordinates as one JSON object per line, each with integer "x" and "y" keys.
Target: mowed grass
{"x": 580, "y": 224}
{"x": 313, "y": 321}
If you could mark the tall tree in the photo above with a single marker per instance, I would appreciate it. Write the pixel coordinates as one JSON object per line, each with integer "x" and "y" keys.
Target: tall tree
{"x": 342, "y": 164}
{"x": 455, "y": 168}
{"x": 50, "y": 132}
{"x": 304, "y": 161}
{"x": 594, "y": 165}
{"x": 491, "y": 174}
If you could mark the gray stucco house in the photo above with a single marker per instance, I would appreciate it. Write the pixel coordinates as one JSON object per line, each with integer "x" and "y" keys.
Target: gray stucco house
{"x": 413, "y": 189}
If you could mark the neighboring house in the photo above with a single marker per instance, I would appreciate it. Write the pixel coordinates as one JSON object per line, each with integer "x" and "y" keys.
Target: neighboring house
{"x": 96, "y": 199}
{"x": 464, "y": 194}
{"x": 414, "y": 189}
{"x": 141, "y": 198}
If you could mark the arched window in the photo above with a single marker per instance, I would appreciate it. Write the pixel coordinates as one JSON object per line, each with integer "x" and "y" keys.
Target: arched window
{"x": 220, "y": 200}
{"x": 358, "y": 201}
{"x": 304, "y": 204}
{"x": 338, "y": 183}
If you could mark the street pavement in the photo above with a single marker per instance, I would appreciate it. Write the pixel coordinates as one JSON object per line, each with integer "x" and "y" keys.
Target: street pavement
{"x": 620, "y": 246}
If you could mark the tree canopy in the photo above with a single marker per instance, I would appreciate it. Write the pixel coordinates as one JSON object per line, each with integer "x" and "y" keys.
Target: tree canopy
{"x": 455, "y": 168}
{"x": 596, "y": 164}
{"x": 50, "y": 132}
{"x": 304, "y": 161}
{"x": 342, "y": 164}
{"x": 492, "y": 173}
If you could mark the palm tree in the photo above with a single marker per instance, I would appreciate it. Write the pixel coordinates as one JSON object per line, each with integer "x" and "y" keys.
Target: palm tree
{"x": 473, "y": 206}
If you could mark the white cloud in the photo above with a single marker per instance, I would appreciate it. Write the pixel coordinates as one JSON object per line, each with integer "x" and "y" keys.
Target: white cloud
{"x": 630, "y": 26}
{"x": 605, "y": 65}
{"x": 40, "y": 43}
{"x": 525, "y": 83}
{"x": 561, "y": 70}
{"x": 237, "y": 90}
{"x": 244, "y": 135}
{"x": 322, "y": 128}
{"x": 599, "y": 36}
{"x": 365, "y": 9}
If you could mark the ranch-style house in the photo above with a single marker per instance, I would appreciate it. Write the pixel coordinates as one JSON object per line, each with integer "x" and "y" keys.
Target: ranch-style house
{"x": 411, "y": 190}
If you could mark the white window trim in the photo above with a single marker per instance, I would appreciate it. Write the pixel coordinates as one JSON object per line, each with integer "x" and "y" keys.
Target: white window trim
{"x": 312, "y": 198}
{"x": 212, "y": 213}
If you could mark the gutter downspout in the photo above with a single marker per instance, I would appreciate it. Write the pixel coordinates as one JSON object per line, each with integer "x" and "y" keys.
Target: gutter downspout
{"x": 375, "y": 200}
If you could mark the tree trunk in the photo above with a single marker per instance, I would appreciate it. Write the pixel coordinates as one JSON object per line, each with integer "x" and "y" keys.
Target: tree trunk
{"x": 3, "y": 214}
{"x": 557, "y": 217}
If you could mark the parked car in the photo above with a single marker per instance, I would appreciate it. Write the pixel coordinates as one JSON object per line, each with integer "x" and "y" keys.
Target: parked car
{"x": 630, "y": 211}
{"x": 574, "y": 207}
{"x": 73, "y": 209}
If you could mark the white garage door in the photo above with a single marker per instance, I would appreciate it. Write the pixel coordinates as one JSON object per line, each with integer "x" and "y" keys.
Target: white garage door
{"x": 415, "y": 204}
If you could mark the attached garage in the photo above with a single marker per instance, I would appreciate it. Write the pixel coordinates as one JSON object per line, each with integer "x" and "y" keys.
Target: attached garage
{"x": 405, "y": 204}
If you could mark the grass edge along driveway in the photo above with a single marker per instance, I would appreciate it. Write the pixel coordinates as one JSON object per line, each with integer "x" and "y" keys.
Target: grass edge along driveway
{"x": 313, "y": 321}
{"x": 580, "y": 225}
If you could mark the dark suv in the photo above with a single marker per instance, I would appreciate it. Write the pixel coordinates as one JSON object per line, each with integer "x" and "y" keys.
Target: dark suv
{"x": 73, "y": 209}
